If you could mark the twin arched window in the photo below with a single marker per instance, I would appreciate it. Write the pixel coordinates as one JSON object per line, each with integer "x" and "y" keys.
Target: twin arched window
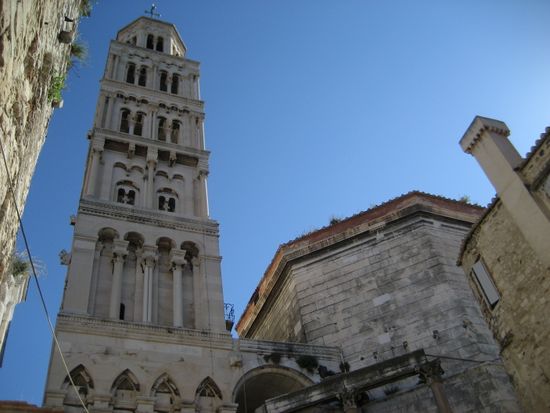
{"x": 126, "y": 196}
{"x": 125, "y": 118}
{"x": 151, "y": 43}
{"x": 131, "y": 74}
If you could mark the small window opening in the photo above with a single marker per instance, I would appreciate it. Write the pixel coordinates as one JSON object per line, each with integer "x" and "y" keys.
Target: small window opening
{"x": 125, "y": 121}
{"x": 175, "y": 131}
{"x": 121, "y": 312}
{"x": 161, "y": 129}
{"x": 134, "y": 40}
{"x": 130, "y": 73}
{"x": 120, "y": 195}
{"x": 142, "y": 80}
{"x": 160, "y": 44}
{"x": 175, "y": 84}
{"x": 163, "y": 81}
{"x": 485, "y": 283}
{"x": 150, "y": 41}
{"x": 138, "y": 126}
{"x": 167, "y": 204}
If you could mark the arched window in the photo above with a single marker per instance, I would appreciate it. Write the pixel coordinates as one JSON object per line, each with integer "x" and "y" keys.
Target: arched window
{"x": 131, "y": 73}
{"x": 150, "y": 41}
{"x": 176, "y": 126}
{"x": 126, "y": 193}
{"x": 138, "y": 126}
{"x": 160, "y": 44}
{"x": 142, "y": 80}
{"x": 83, "y": 382}
{"x": 175, "y": 84}
{"x": 125, "y": 121}
{"x": 163, "y": 81}
{"x": 167, "y": 200}
{"x": 161, "y": 132}
{"x": 124, "y": 392}
{"x": 166, "y": 394}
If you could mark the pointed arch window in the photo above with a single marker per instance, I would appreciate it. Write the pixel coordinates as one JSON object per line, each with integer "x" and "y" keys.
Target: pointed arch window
{"x": 160, "y": 44}
{"x": 150, "y": 41}
{"x": 175, "y": 84}
{"x": 176, "y": 126}
{"x": 142, "y": 79}
{"x": 124, "y": 391}
{"x": 131, "y": 73}
{"x": 166, "y": 394}
{"x": 208, "y": 388}
{"x": 84, "y": 384}
{"x": 125, "y": 121}
{"x": 138, "y": 126}
{"x": 163, "y": 81}
{"x": 161, "y": 132}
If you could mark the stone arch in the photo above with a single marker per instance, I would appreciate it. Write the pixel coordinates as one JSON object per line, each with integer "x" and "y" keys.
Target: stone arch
{"x": 107, "y": 233}
{"x": 208, "y": 396}
{"x": 165, "y": 392}
{"x": 124, "y": 392}
{"x": 262, "y": 383}
{"x": 84, "y": 384}
{"x": 208, "y": 388}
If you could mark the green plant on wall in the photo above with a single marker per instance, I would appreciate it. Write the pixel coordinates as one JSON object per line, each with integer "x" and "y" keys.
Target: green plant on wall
{"x": 85, "y": 8}
{"x": 57, "y": 84}
{"x": 19, "y": 265}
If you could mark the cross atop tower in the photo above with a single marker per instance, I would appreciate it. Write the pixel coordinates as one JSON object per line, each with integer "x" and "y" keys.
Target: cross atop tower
{"x": 152, "y": 12}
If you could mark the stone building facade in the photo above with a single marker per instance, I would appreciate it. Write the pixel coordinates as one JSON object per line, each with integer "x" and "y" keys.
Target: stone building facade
{"x": 382, "y": 285}
{"x": 142, "y": 325}
{"x": 506, "y": 256}
{"x": 34, "y": 51}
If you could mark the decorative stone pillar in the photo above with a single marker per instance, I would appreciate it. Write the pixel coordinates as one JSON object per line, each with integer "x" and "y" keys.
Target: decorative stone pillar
{"x": 431, "y": 373}
{"x": 145, "y": 404}
{"x": 119, "y": 254}
{"x": 95, "y": 158}
{"x": 152, "y": 155}
{"x": 200, "y": 132}
{"x": 201, "y": 194}
{"x": 149, "y": 261}
{"x": 199, "y": 295}
{"x": 178, "y": 261}
{"x": 138, "y": 293}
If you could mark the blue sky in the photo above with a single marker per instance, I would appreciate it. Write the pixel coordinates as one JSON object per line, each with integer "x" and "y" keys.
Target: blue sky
{"x": 314, "y": 109}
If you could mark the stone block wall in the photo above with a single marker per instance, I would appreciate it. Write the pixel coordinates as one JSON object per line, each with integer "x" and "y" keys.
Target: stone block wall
{"x": 30, "y": 57}
{"x": 519, "y": 321}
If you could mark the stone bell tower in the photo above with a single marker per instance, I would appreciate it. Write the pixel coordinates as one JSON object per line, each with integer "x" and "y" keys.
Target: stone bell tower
{"x": 145, "y": 253}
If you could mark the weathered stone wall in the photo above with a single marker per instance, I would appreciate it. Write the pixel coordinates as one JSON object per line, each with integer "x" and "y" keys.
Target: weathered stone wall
{"x": 30, "y": 56}
{"x": 520, "y": 319}
{"x": 287, "y": 328}
{"x": 389, "y": 291}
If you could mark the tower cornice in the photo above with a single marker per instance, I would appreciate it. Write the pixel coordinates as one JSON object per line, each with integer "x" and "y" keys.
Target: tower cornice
{"x": 149, "y": 217}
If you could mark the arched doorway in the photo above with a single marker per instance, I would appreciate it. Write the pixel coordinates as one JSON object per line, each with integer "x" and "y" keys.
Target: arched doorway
{"x": 263, "y": 383}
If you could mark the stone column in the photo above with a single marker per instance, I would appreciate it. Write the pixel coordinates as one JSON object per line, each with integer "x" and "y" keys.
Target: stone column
{"x": 151, "y": 165}
{"x": 110, "y": 110}
{"x": 138, "y": 293}
{"x": 178, "y": 261}
{"x": 95, "y": 158}
{"x": 201, "y": 194}
{"x": 200, "y": 298}
{"x": 116, "y": 287}
{"x": 149, "y": 262}
{"x": 200, "y": 132}
{"x": 431, "y": 373}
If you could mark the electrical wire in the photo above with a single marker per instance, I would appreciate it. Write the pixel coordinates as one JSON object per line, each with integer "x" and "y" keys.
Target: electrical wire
{"x": 35, "y": 276}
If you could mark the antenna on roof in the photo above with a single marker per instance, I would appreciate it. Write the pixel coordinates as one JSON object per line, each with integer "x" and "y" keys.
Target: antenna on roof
{"x": 152, "y": 12}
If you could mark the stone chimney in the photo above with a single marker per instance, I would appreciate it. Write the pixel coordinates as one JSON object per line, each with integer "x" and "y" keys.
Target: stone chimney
{"x": 487, "y": 141}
